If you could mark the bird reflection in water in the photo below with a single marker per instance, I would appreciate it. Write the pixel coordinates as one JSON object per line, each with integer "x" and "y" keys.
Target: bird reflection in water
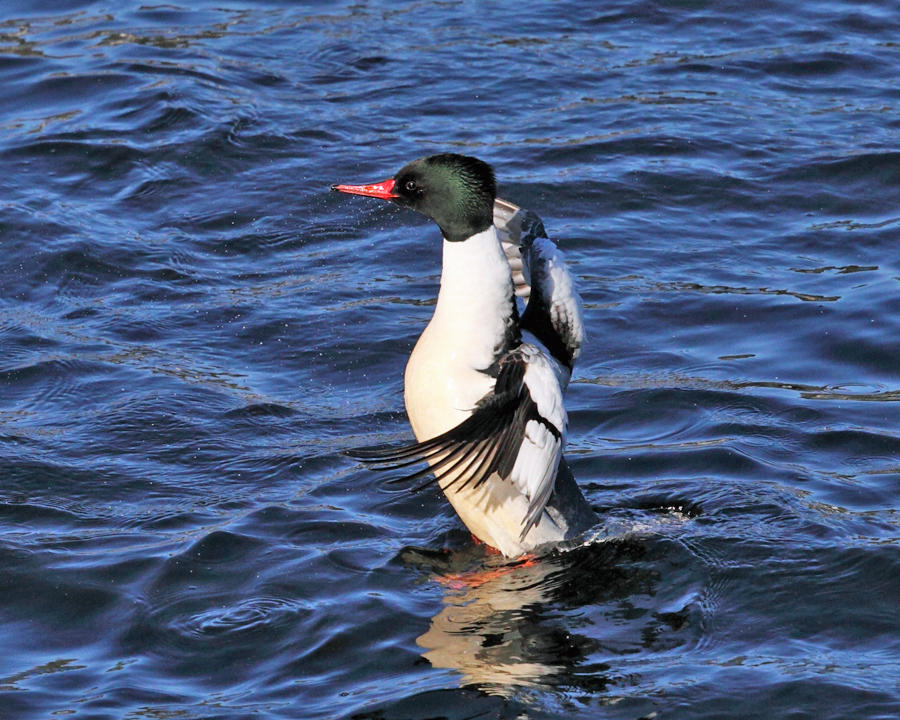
{"x": 510, "y": 625}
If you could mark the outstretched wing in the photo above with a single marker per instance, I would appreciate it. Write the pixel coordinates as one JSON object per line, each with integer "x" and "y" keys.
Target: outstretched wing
{"x": 517, "y": 229}
{"x": 517, "y": 431}
{"x": 553, "y": 313}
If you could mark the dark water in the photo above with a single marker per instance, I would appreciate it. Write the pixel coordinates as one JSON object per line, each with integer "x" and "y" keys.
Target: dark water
{"x": 192, "y": 329}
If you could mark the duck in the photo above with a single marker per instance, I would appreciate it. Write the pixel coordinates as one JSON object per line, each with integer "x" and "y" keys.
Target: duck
{"x": 484, "y": 384}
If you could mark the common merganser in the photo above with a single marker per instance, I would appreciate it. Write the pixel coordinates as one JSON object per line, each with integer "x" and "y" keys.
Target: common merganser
{"x": 484, "y": 385}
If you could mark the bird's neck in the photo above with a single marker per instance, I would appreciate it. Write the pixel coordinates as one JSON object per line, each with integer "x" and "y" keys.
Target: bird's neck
{"x": 476, "y": 305}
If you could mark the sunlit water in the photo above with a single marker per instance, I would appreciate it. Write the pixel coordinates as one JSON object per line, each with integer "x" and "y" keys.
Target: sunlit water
{"x": 193, "y": 329}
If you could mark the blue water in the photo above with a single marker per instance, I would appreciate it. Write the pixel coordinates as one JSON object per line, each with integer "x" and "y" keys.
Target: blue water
{"x": 193, "y": 329}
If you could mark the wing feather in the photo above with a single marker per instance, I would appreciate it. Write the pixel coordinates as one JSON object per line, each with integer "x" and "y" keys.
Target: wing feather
{"x": 553, "y": 311}
{"x": 516, "y": 432}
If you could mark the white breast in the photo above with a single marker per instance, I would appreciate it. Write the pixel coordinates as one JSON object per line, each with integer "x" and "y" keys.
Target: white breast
{"x": 444, "y": 378}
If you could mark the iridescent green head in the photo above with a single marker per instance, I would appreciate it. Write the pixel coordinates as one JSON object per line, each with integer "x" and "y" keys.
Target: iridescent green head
{"x": 456, "y": 191}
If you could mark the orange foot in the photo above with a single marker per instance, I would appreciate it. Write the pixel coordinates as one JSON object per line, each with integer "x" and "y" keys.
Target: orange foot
{"x": 487, "y": 548}
{"x": 476, "y": 578}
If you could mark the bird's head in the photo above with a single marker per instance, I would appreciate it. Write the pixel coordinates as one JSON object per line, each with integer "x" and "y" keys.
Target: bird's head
{"x": 456, "y": 191}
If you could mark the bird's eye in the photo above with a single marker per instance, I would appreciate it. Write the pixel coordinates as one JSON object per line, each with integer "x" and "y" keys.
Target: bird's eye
{"x": 411, "y": 186}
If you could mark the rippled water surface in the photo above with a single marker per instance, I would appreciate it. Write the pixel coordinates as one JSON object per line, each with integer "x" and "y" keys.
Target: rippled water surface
{"x": 193, "y": 329}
